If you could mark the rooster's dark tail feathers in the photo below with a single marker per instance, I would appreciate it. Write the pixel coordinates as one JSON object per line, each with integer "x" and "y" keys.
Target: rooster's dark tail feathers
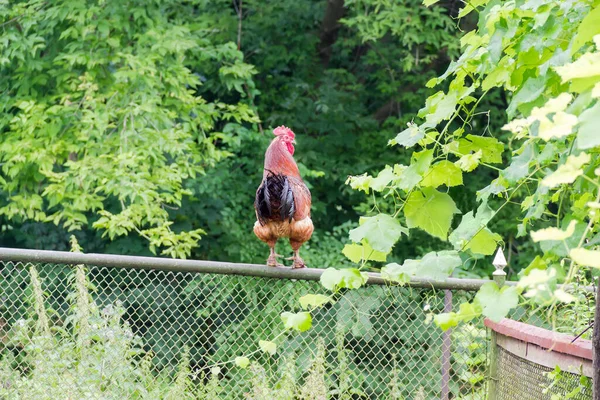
{"x": 274, "y": 199}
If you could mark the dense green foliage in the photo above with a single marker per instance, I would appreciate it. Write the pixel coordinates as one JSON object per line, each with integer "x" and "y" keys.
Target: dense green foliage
{"x": 340, "y": 86}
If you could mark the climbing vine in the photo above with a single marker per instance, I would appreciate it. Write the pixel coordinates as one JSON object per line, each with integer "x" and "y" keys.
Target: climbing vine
{"x": 544, "y": 56}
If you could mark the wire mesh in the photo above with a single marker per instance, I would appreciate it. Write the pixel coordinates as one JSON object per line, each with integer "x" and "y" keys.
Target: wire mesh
{"x": 103, "y": 332}
{"x": 522, "y": 379}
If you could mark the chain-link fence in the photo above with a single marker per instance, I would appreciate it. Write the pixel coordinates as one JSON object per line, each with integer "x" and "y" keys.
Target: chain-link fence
{"x": 76, "y": 332}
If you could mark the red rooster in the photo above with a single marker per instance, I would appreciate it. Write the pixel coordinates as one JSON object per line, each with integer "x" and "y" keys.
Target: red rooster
{"x": 282, "y": 201}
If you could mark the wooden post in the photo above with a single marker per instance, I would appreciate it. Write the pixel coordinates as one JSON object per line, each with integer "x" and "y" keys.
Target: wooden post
{"x": 596, "y": 347}
{"x": 493, "y": 368}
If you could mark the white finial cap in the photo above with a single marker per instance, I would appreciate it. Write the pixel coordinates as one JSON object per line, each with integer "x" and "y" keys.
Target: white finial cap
{"x": 499, "y": 261}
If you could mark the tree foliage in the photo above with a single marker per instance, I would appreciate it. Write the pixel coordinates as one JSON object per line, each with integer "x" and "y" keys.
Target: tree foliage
{"x": 104, "y": 119}
{"x": 544, "y": 57}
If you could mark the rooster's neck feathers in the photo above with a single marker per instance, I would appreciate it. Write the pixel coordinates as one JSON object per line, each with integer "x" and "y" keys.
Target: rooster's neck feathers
{"x": 278, "y": 159}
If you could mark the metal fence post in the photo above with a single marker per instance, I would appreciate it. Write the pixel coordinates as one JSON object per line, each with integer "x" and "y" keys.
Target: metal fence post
{"x": 499, "y": 277}
{"x": 446, "y": 349}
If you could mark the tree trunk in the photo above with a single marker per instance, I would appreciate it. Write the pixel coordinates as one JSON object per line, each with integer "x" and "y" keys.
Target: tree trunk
{"x": 596, "y": 347}
{"x": 329, "y": 29}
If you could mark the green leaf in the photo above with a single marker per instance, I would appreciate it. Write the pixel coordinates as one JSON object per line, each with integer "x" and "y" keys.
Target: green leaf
{"x": 300, "y": 322}
{"x": 469, "y": 162}
{"x": 351, "y": 278}
{"x": 446, "y": 320}
{"x": 360, "y": 182}
{"x": 438, "y": 107}
{"x": 537, "y": 263}
{"x": 396, "y": 273}
{"x": 443, "y": 173}
{"x": 436, "y": 266}
{"x": 267, "y": 347}
{"x": 381, "y": 232}
{"x": 519, "y": 166}
{"x": 242, "y": 362}
{"x": 384, "y": 177}
{"x": 495, "y": 302}
{"x": 468, "y": 311}
{"x": 561, "y": 248}
{"x": 587, "y": 258}
{"x": 568, "y": 172}
{"x": 553, "y": 233}
{"x": 472, "y": 234}
{"x": 589, "y": 121}
{"x": 431, "y": 211}
{"x": 358, "y": 252}
{"x": 531, "y": 90}
{"x": 491, "y": 148}
{"x": 313, "y": 301}
{"x": 408, "y": 137}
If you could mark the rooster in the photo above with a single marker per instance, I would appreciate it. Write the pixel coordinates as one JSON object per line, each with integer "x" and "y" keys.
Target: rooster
{"x": 282, "y": 201}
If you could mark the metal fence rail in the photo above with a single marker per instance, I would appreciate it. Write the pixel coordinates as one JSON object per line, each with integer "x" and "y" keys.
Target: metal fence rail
{"x": 138, "y": 327}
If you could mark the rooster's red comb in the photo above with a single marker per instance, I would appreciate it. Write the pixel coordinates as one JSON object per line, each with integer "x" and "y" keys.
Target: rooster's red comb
{"x": 283, "y": 131}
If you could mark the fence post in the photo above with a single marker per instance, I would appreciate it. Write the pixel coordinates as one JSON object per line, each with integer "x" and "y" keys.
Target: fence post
{"x": 446, "y": 349}
{"x": 493, "y": 373}
{"x": 499, "y": 277}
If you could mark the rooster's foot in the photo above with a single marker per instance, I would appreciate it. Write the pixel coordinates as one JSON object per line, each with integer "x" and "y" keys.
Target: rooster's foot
{"x": 272, "y": 261}
{"x": 298, "y": 262}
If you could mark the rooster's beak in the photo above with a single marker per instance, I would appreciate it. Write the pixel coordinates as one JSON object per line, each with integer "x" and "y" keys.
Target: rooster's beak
{"x": 294, "y": 141}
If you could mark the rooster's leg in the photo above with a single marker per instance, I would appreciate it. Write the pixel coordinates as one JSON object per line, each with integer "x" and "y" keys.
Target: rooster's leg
{"x": 272, "y": 260}
{"x": 298, "y": 261}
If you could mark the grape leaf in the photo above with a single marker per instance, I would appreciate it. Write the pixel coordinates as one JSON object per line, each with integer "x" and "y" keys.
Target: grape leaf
{"x": 530, "y": 91}
{"x": 588, "y": 28}
{"x": 360, "y": 182}
{"x": 381, "y": 232}
{"x": 519, "y": 166}
{"x": 587, "y": 258}
{"x": 469, "y": 162}
{"x": 446, "y": 320}
{"x": 358, "y": 252}
{"x": 351, "y": 278}
{"x": 496, "y": 303}
{"x": 267, "y": 347}
{"x": 567, "y": 172}
{"x": 560, "y": 247}
{"x": 412, "y": 175}
{"x": 589, "y": 121}
{"x": 553, "y": 233}
{"x": 408, "y": 137}
{"x": 438, "y": 107}
{"x": 469, "y": 234}
{"x": 384, "y": 177}
{"x": 491, "y": 148}
{"x": 443, "y": 173}
{"x": 242, "y": 362}
{"x": 300, "y": 322}
{"x": 396, "y": 273}
{"x": 313, "y": 300}
{"x": 431, "y": 211}
{"x": 436, "y": 266}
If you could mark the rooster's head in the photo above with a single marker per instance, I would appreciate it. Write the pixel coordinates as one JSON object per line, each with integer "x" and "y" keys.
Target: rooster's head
{"x": 285, "y": 135}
